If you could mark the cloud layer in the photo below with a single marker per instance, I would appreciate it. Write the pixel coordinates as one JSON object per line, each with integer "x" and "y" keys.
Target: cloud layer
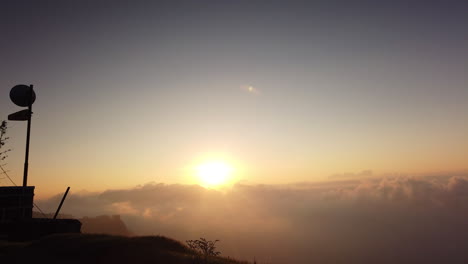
{"x": 389, "y": 220}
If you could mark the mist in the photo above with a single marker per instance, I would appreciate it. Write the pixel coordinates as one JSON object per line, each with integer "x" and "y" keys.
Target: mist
{"x": 380, "y": 220}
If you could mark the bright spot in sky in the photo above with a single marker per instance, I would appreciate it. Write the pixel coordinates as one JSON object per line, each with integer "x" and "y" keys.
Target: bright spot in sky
{"x": 213, "y": 173}
{"x": 250, "y": 89}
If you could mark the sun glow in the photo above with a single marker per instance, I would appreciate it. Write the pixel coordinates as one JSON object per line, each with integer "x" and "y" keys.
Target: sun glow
{"x": 214, "y": 173}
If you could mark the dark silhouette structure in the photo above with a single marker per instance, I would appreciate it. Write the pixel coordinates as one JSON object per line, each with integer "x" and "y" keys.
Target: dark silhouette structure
{"x": 16, "y": 203}
{"x": 17, "y": 223}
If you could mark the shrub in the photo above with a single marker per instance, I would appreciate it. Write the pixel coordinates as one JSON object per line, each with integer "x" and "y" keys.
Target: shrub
{"x": 203, "y": 247}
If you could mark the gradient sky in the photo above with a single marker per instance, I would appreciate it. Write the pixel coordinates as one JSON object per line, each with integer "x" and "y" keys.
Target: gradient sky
{"x": 134, "y": 92}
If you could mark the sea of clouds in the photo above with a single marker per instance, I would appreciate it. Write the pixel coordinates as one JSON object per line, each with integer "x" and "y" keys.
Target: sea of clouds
{"x": 379, "y": 220}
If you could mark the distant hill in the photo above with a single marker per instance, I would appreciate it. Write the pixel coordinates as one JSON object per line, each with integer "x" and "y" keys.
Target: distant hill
{"x": 104, "y": 224}
{"x": 92, "y": 248}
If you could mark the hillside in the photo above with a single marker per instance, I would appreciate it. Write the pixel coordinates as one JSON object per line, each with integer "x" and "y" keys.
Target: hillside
{"x": 89, "y": 248}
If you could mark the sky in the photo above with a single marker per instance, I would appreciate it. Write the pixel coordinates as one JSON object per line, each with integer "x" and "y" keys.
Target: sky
{"x": 130, "y": 93}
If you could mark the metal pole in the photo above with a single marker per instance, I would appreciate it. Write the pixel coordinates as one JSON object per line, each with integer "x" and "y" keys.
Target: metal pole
{"x": 25, "y": 177}
{"x": 60, "y": 206}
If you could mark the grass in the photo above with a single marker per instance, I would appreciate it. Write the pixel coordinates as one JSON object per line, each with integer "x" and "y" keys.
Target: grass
{"x": 93, "y": 248}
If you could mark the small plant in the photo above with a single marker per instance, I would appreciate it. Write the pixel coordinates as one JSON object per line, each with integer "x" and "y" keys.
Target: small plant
{"x": 3, "y": 139}
{"x": 204, "y": 248}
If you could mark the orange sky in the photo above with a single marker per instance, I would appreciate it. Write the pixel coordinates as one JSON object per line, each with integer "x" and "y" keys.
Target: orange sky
{"x": 127, "y": 96}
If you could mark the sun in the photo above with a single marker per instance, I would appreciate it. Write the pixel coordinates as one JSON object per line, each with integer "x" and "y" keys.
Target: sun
{"x": 214, "y": 173}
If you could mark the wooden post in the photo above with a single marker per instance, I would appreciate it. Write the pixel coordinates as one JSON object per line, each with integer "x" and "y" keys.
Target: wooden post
{"x": 60, "y": 206}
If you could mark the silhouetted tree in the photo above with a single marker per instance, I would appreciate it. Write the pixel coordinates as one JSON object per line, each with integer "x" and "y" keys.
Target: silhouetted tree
{"x": 3, "y": 139}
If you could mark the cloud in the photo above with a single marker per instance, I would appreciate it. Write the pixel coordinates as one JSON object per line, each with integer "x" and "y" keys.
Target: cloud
{"x": 389, "y": 220}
